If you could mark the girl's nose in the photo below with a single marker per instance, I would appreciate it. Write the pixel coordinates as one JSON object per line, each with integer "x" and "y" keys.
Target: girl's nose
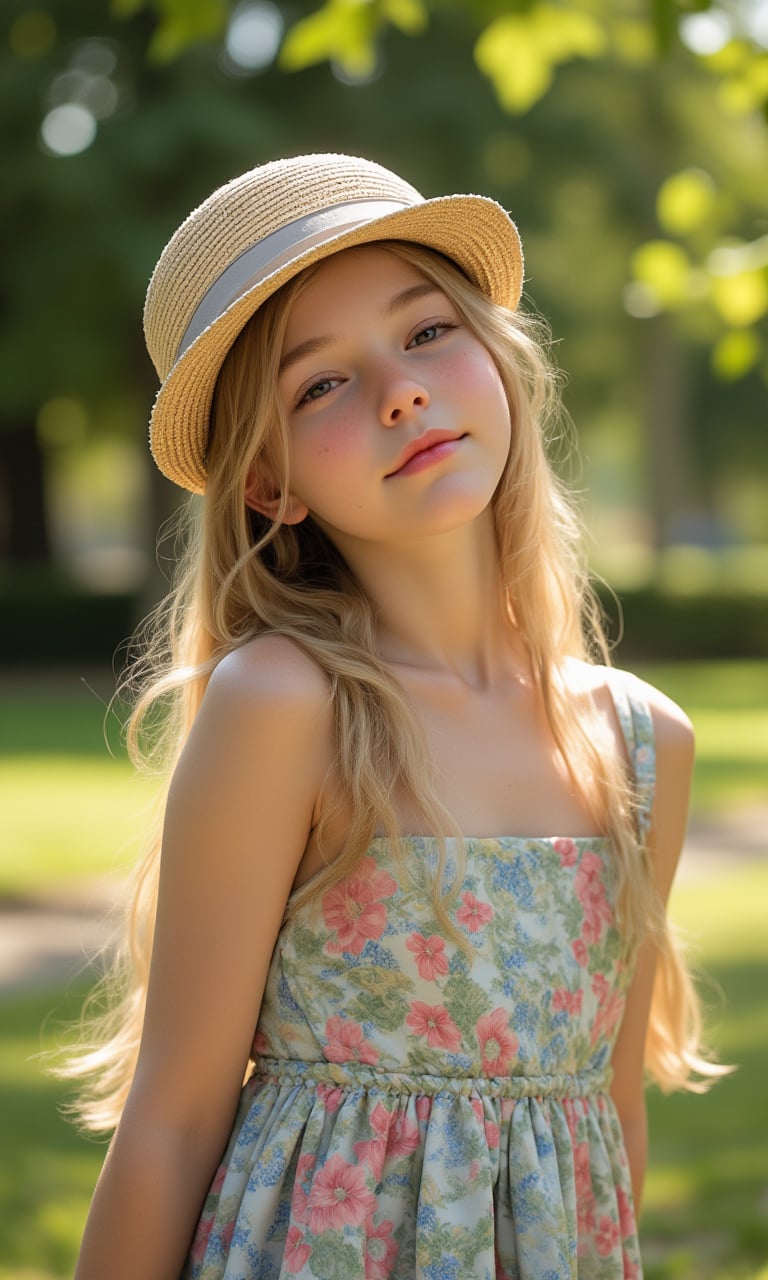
{"x": 401, "y": 399}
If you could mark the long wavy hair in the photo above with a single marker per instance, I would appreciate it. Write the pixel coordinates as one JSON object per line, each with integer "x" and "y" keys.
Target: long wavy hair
{"x": 242, "y": 575}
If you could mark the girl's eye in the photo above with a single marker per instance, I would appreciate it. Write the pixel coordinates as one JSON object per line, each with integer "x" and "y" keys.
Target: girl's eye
{"x": 316, "y": 391}
{"x": 429, "y": 333}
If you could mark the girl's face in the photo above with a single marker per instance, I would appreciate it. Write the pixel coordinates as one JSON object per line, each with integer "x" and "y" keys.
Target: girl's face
{"x": 399, "y": 422}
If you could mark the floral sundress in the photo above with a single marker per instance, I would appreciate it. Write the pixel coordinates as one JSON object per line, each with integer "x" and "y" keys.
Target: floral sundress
{"x": 411, "y": 1116}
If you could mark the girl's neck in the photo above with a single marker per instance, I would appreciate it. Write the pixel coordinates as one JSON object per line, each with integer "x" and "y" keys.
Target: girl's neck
{"x": 441, "y": 605}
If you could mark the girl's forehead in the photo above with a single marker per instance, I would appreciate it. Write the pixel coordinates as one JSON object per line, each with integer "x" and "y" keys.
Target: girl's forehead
{"x": 366, "y": 278}
{"x": 368, "y": 261}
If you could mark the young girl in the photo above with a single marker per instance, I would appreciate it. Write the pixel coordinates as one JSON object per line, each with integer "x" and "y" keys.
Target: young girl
{"x": 417, "y": 842}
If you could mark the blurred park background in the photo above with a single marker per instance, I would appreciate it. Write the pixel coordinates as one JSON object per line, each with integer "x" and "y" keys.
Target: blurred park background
{"x": 630, "y": 142}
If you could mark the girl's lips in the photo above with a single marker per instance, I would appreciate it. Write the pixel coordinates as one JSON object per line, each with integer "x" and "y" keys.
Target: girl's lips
{"x": 428, "y": 456}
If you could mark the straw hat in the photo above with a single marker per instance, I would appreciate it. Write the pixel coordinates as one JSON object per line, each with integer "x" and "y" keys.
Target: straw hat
{"x": 259, "y": 231}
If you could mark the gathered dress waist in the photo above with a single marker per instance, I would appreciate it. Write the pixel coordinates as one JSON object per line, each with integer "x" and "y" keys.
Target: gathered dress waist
{"x": 359, "y": 1076}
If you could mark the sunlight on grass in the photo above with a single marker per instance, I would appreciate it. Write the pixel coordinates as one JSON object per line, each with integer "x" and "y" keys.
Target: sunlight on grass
{"x": 728, "y": 704}
{"x": 68, "y": 818}
{"x": 48, "y": 1171}
{"x": 707, "y": 1189}
{"x": 724, "y": 915}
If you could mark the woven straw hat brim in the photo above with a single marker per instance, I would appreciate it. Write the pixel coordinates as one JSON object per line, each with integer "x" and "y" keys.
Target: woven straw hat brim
{"x": 474, "y": 231}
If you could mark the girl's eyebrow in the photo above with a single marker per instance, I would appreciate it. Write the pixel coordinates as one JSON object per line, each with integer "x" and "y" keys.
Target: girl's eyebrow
{"x": 313, "y": 345}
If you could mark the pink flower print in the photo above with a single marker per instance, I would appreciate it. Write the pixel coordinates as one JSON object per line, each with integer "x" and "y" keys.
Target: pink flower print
{"x": 299, "y": 1197}
{"x": 380, "y": 1120}
{"x": 345, "y": 1042}
{"x": 631, "y": 1270}
{"x": 354, "y": 910}
{"x": 434, "y": 1022}
{"x": 610, "y": 1006}
{"x": 403, "y": 1136}
{"x": 394, "y": 1135}
{"x": 473, "y": 914}
{"x": 580, "y": 952}
{"x": 585, "y": 1198}
{"x": 330, "y": 1097}
{"x": 498, "y": 1044}
{"x": 570, "y": 1001}
{"x": 371, "y": 1151}
{"x": 590, "y": 891}
{"x": 423, "y": 1107}
{"x": 260, "y": 1046}
{"x": 606, "y": 1236}
{"x": 380, "y": 1250}
{"x": 296, "y": 1250}
{"x": 202, "y": 1236}
{"x": 626, "y": 1214}
{"x": 339, "y": 1197}
{"x": 490, "y": 1129}
{"x": 501, "y": 1274}
{"x": 430, "y": 955}
{"x": 567, "y": 851}
{"x": 492, "y": 1135}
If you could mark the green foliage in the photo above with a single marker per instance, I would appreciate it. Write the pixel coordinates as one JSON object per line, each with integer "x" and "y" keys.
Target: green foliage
{"x": 346, "y": 31}
{"x": 519, "y": 52}
{"x": 181, "y": 23}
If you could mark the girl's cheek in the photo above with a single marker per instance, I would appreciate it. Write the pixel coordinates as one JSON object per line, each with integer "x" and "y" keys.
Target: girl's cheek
{"x": 337, "y": 437}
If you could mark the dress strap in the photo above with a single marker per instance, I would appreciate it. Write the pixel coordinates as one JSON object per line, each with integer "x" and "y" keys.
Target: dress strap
{"x": 634, "y": 716}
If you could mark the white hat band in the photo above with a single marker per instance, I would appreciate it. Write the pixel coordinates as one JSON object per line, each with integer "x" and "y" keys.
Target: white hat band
{"x": 274, "y": 251}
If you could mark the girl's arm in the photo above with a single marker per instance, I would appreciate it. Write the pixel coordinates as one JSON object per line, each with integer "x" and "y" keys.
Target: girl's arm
{"x": 674, "y": 768}
{"x": 240, "y": 810}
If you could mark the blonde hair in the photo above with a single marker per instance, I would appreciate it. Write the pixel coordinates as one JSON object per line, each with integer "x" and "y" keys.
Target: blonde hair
{"x": 243, "y": 575}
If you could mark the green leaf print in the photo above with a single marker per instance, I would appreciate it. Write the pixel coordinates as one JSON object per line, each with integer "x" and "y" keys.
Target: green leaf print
{"x": 386, "y": 1008}
{"x": 466, "y": 1002}
{"x": 376, "y": 980}
{"x": 383, "y": 997}
{"x": 332, "y": 1259}
{"x": 307, "y": 943}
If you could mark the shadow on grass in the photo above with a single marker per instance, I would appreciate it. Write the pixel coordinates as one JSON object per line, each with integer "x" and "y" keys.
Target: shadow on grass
{"x": 48, "y": 1169}
{"x": 706, "y": 1214}
{"x": 73, "y": 721}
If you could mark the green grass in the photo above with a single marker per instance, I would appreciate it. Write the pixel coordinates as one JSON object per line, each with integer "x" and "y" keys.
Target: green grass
{"x": 48, "y": 1171}
{"x": 706, "y": 1204}
{"x": 72, "y": 806}
{"x": 728, "y": 704}
{"x": 707, "y": 1188}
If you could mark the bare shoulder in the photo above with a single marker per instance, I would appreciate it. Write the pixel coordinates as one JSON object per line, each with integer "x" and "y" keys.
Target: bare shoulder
{"x": 673, "y": 730}
{"x": 262, "y": 740}
{"x": 271, "y": 669}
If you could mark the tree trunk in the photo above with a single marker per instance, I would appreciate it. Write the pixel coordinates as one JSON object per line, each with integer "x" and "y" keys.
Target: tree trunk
{"x": 671, "y": 476}
{"x": 24, "y": 535}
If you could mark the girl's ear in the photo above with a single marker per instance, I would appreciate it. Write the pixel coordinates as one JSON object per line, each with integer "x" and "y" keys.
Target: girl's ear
{"x": 262, "y": 495}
